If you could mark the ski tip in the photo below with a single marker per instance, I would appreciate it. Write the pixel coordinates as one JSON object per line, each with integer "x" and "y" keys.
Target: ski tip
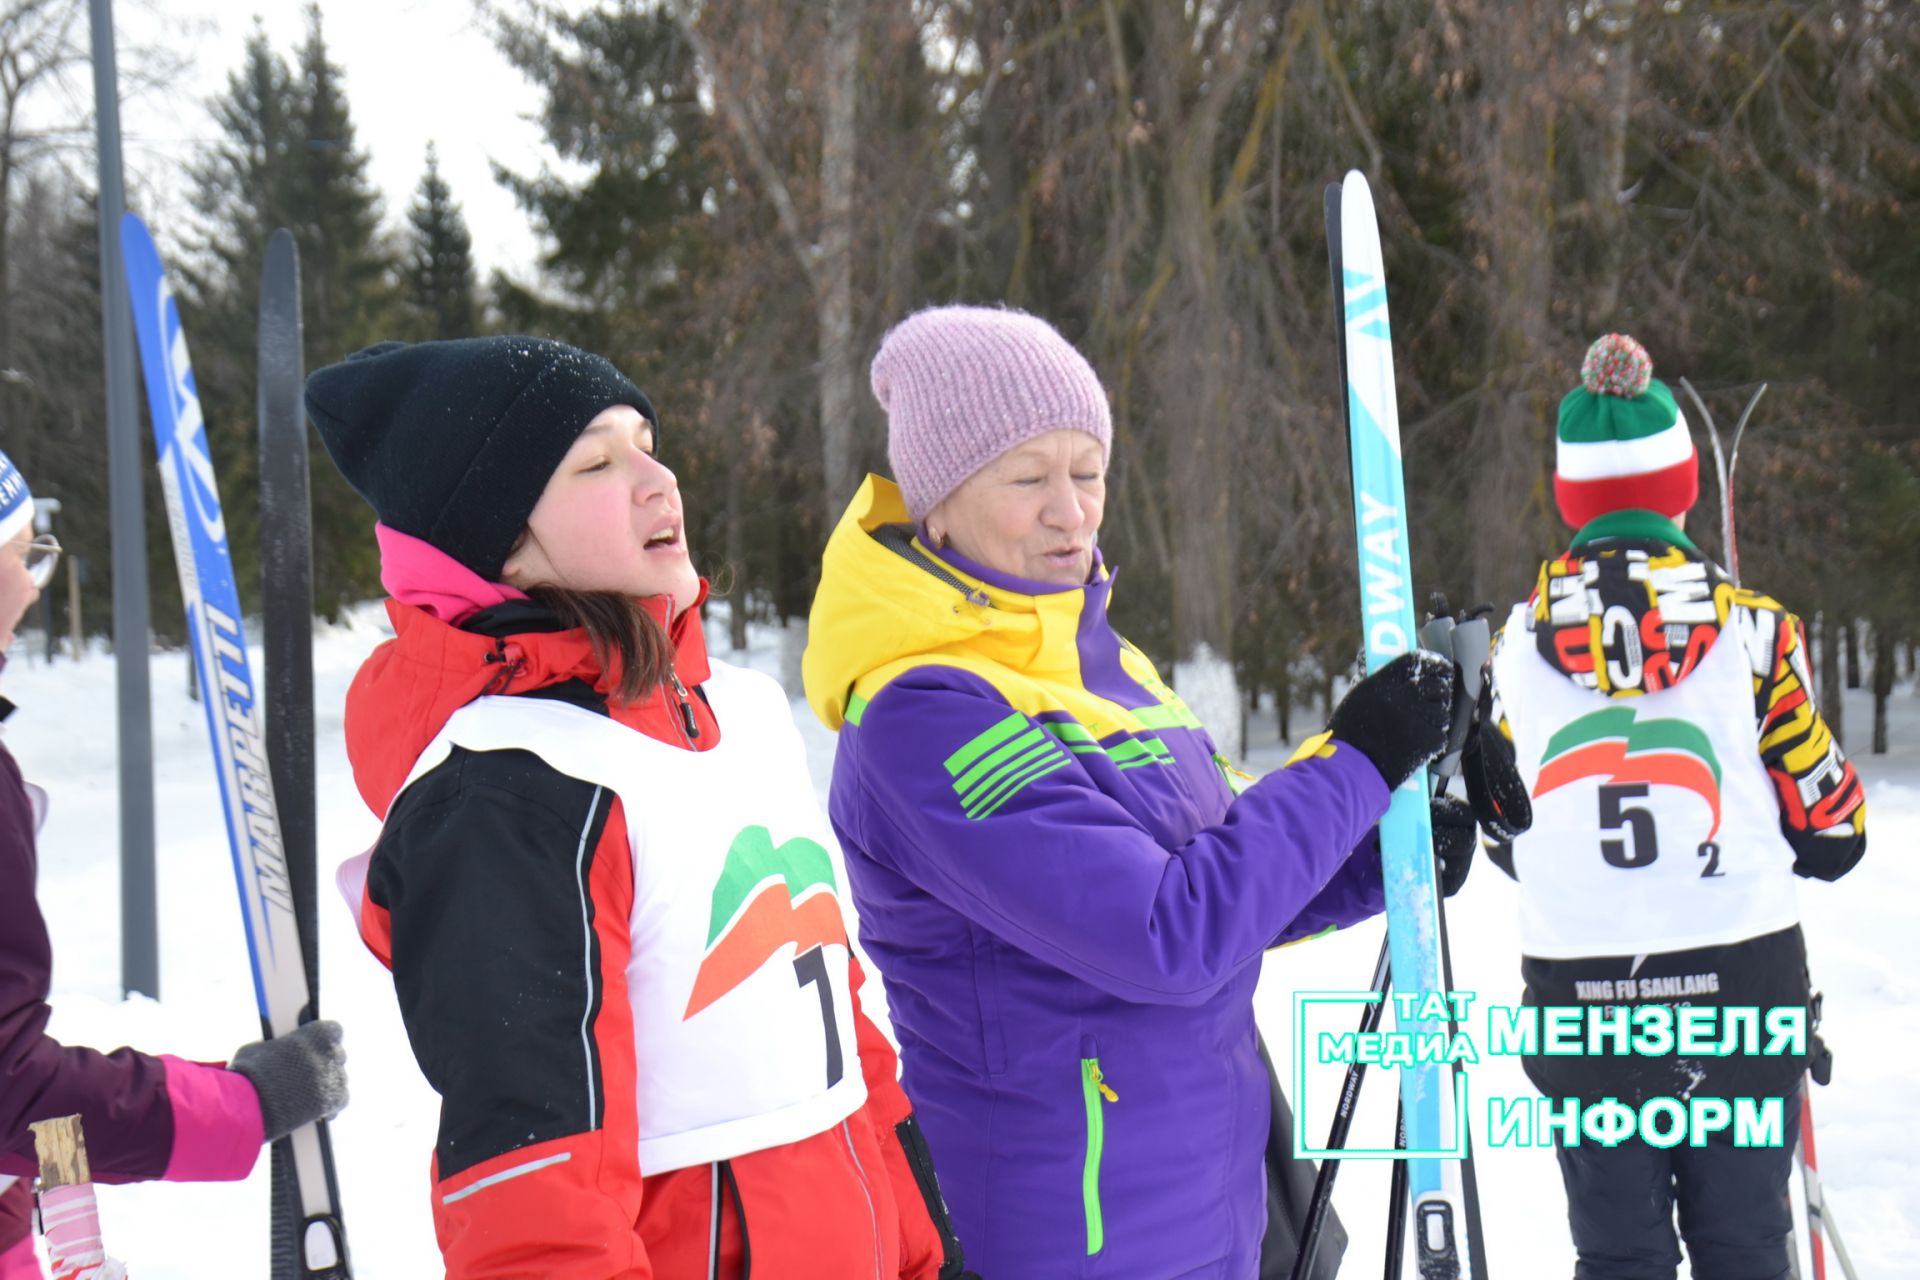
{"x": 1355, "y": 189}
{"x": 280, "y": 282}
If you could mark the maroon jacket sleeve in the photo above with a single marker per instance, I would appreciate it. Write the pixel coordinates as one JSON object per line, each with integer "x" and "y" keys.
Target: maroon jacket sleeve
{"x": 124, "y": 1099}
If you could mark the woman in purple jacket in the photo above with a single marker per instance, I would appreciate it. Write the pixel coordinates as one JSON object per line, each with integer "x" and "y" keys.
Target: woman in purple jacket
{"x": 144, "y": 1117}
{"x": 1066, "y": 887}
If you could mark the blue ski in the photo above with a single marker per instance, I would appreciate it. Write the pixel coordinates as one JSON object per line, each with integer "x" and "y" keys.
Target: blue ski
{"x": 1406, "y": 833}
{"x": 230, "y": 696}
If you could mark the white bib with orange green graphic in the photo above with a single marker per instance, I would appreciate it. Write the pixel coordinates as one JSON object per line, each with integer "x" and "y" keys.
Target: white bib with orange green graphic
{"x": 1655, "y": 826}
{"x": 742, "y": 1017}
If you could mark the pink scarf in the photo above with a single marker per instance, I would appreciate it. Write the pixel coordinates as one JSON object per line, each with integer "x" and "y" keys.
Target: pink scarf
{"x": 416, "y": 572}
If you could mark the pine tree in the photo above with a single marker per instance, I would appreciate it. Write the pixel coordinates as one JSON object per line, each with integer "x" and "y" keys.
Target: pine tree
{"x": 439, "y": 278}
{"x": 287, "y": 158}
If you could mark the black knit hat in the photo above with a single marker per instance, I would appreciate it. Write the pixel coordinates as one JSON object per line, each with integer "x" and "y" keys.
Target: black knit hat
{"x": 454, "y": 441}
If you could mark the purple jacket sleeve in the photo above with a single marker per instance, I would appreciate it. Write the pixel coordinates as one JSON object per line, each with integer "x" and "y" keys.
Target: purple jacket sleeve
{"x": 1064, "y": 871}
{"x": 1356, "y": 892}
{"x": 144, "y": 1117}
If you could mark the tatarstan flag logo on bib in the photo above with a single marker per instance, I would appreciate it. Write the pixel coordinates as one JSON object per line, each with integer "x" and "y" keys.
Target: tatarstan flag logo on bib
{"x": 1615, "y": 747}
{"x": 766, "y": 897}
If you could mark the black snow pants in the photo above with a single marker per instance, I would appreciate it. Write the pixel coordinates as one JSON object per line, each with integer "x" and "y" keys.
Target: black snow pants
{"x": 1732, "y": 1201}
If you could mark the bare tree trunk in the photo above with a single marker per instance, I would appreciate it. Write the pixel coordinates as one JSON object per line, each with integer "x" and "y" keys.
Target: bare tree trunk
{"x": 1283, "y": 700}
{"x": 1830, "y": 702}
{"x": 834, "y": 282}
{"x": 1883, "y": 664}
{"x": 1194, "y": 381}
{"x": 1605, "y": 196}
{"x": 1510, "y": 432}
{"x": 826, "y": 254}
{"x": 737, "y": 467}
{"x": 1850, "y": 634}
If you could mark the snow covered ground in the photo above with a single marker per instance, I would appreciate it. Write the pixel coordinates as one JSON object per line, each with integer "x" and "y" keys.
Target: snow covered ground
{"x": 1860, "y": 937}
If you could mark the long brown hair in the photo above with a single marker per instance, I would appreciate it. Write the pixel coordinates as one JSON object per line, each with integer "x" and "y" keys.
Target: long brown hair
{"x": 626, "y": 639}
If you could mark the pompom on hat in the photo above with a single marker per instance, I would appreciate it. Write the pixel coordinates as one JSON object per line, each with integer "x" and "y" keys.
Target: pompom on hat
{"x": 962, "y": 385}
{"x": 453, "y": 442}
{"x": 1621, "y": 441}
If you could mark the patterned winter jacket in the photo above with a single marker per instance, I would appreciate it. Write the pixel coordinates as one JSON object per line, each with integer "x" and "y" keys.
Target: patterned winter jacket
{"x": 1068, "y": 904}
{"x": 144, "y": 1116}
{"x": 542, "y": 965}
{"x": 1681, "y": 777}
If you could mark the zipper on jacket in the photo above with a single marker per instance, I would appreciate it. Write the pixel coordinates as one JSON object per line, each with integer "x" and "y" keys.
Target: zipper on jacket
{"x": 866, "y": 1191}
{"x": 713, "y": 1222}
{"x": 512, "y": 662}
{"x": 688, "y": 725}
{"x": 899, "y": 540}
{"x": 1098, "y": 1094}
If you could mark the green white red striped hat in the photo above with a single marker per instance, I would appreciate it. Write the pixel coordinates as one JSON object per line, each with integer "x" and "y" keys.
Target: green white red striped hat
{"x": 1622, "y": 442}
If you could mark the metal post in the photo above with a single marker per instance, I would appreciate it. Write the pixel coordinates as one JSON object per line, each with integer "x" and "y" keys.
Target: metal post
{"x": 139, "y": 933}
{"x": 73, "y": 602}
{"x": 44, "y": 510}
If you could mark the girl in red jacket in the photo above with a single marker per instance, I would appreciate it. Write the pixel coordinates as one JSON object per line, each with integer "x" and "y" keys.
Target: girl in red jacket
{"x": 144, "y": 1116}
{"x": 602, "y": 880}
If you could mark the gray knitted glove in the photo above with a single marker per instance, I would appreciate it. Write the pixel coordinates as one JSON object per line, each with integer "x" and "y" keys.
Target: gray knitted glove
{"x": 300, "y": 1077}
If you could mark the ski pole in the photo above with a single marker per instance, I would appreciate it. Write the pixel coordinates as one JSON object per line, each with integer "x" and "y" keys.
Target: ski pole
{"x": 1723, "y": 465}
{"x": 1820, "y": 1224}
{"x": 1342, "y": 1124}
{"x": 1397, "y": 1197}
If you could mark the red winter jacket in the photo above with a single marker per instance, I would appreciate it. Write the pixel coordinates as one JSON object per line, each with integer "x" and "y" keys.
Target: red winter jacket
{"x": 471, "y": 899}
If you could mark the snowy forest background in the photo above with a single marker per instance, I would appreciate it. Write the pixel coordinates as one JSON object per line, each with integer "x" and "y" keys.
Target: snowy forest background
{"x": 743, "y": 195}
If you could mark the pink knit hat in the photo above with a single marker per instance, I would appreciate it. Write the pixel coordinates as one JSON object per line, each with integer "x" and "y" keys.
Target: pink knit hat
{"x": 962, "y": 385}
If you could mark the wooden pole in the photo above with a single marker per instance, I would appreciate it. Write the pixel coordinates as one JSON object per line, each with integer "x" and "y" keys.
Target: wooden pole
{"x": 69, "y": 1216}
{"x": 62, "y": 1149}
{"x": 73, "y": 603}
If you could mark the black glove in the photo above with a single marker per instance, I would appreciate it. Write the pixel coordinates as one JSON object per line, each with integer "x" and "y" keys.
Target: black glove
{"x": 1399, "y": 716}
{"x": 1453, "y": 841}
{"x": 301, "y": 1077}
{"x": 1494, "y": 786}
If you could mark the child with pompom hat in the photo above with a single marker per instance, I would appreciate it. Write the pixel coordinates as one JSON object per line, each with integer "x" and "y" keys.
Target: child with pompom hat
{"x": 1659, "y": 723}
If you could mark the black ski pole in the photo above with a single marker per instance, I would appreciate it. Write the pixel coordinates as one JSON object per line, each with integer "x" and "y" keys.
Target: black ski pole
{"x": 1342, "y": 1124}
{"x": 1397, "y": 1200}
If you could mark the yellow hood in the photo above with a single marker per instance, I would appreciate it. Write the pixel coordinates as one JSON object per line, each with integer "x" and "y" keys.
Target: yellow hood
{"x": 887, "y": 604}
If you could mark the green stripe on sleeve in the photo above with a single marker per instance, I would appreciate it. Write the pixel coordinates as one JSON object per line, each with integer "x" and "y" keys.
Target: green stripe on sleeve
{"x": 985, "y": 783}
{"x": 1019, "y": 784}
{"x": 1167, "y": 715}
{"x": 958, "y": 762}
{"x": 994, "y": 761}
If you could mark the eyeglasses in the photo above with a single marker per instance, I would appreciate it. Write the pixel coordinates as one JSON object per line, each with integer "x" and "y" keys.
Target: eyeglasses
{"x": 40, "y": 556}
